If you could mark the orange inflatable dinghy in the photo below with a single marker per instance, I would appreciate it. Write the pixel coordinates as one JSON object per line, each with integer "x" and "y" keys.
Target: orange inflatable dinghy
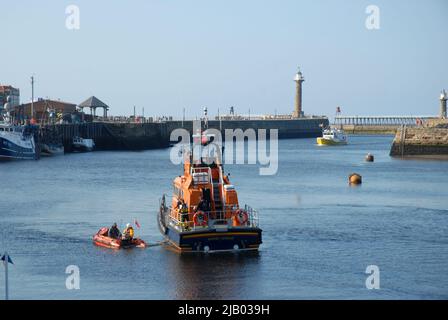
{"x": 103, "y": 240}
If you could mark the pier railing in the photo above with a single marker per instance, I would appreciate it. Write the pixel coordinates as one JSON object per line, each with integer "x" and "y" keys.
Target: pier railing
{"x": 381, "y": 120}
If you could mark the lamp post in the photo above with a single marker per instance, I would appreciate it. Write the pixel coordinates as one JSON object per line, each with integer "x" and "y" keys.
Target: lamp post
{"x": 183, "y": 116}
{"x": 6, "y": 261}
{"x": 32, "y": 98}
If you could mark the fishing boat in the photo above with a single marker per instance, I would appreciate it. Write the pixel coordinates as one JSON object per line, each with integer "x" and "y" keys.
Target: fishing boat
{"x": 51, "y": 149}
{"x": 102, "y": 239}
{"x": 204, "y": 214}
{"x": 332, "y": 137}
{"x": 50, "y": 142}
{"x": 17, "y": 142}
{"x": 83, "y": 145}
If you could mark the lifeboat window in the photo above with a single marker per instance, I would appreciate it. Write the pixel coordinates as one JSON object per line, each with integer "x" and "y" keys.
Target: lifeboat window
{"x": 201, "y": 178}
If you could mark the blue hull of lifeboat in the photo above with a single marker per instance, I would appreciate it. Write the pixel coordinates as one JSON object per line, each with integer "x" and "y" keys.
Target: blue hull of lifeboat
{"x": 233, "y": 239}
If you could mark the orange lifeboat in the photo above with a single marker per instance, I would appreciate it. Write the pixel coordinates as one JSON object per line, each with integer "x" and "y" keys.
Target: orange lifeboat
{"x": 203, "y": 214}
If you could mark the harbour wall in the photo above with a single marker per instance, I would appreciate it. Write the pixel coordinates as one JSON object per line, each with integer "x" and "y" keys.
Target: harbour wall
{"x": 371, "y": 129}
{"x": 142, "y": 136}
{"x": 287, "y": 128}
{"x": 113, "y": 136}
{"x": 420, "y": 141}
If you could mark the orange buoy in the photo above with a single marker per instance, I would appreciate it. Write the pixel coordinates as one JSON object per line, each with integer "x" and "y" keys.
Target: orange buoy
{"x": 355, "y": 179}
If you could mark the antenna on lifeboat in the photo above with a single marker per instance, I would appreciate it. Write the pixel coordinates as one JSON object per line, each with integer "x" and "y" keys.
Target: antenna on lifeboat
{"x": 205, "y": 118}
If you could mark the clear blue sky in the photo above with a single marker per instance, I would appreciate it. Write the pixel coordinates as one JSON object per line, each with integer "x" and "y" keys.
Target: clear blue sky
{"x": 168, "y": 54}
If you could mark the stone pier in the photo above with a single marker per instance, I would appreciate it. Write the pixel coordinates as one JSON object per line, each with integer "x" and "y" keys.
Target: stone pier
{"x": 421, "y": 141}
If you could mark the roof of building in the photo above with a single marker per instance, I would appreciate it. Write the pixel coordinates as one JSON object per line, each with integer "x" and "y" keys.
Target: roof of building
{"x": 49, "y": 102}
{"x": 93, "y": 102}
{"x": 7, "y": 87}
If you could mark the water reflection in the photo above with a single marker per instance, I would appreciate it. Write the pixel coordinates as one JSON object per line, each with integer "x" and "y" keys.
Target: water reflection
{"x": 214, "y": 276}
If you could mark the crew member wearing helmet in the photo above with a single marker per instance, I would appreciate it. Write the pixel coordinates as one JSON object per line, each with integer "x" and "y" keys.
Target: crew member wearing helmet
{"x": 128, "y": 232}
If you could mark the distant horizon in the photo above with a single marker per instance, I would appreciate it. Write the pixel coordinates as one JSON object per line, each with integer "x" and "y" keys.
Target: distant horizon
{"x": 166, "y": 56}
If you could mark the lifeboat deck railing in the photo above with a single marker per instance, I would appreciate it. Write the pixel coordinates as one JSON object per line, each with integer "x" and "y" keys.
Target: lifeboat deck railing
{"x": 253, "y": 215}
{"x": 216, "y": 219}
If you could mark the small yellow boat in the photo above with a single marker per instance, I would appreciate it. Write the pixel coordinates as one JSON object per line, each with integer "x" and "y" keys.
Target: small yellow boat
{"x": 332, "y": 137}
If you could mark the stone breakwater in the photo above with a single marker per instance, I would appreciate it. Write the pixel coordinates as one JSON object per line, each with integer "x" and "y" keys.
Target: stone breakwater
{"x": 142, "y": 136}
{"x": 421, "y": 141}
{"x": 287, "y": 128}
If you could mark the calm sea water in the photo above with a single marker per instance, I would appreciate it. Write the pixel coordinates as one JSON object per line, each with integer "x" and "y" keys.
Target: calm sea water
{"x": 319, "y": 233}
